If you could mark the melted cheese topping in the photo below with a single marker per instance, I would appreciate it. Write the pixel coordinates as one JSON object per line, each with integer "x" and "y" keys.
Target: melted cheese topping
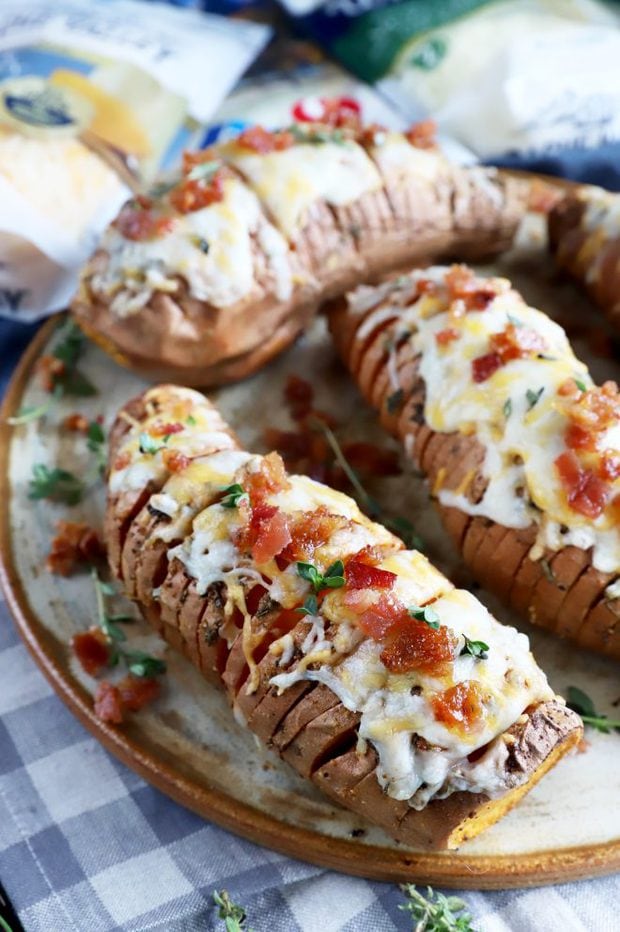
{"x": 395, "y": 155}
{"x": 420, "y": 756}
{"x": 521, "y": 447}
{"x": 221, "y": 276}
{"x": 290, "y": 182}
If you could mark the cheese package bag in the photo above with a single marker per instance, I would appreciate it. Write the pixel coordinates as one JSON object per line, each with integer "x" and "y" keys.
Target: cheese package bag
{"x": 95, "y": 98}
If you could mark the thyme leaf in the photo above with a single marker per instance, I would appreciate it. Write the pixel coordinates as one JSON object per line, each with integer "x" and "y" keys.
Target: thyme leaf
{"x": 477, "y": 649}
{"x": 533, "y": 397}
{"x": 582, "y": 704}
{"x": 436, "y": 912}
{"x": 426, "y": 614}
{"x": 234, "y": 916}
{"x": 234, "y": 495}
{"x": 55, "y": 485}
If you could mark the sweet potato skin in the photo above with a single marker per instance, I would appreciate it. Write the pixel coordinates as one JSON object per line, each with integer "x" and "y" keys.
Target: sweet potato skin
{"x": 470, "y": 213}
{"x": 306, "y": 723}
{"x": 568, "y": 600}
{"x": 590, "y": 257}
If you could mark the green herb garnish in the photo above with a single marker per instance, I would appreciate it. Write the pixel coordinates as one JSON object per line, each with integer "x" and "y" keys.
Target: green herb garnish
{"x": 201, "y": 244}
{"x": 310, "y": 606}
{"x": 136, "y": 661}
{"x": 581, "y": 703}
{"x": 436, "y": 912}
{"x": 332, "y": 578}
{"x": 95, "y": 441}
{"x": 426, "y": 614}
{"x": 150, "y": 445}
{"x": 68, "y": 382}
{"x": 204, "y": 171}
{"x": 533, "y": 397}
{"x": 234, "y": 495}
{"x": 234, "y": 916}
{"x": 191, "y": 420}
{"x": 477, "y": 649}
{"x": 507, "y": 409}
{"x": 580, "y": 385}
{"x": 56, "y": 485}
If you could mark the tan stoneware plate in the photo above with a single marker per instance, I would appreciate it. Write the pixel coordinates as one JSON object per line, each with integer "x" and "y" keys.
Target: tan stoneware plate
{"x": 188, "y": 744}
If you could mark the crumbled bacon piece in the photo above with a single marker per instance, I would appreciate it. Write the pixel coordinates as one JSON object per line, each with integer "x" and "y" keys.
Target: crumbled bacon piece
{"x": 586, "y": 493}
{"x": 76, "y": 423}
{"x": 569, "y": 389}
{"x": 299, "y": 396}
{"x": 577, "y": 438}
{"x": 475, "y": 293}
{"x": 272, "y": 537}
{"x": 423, "y": 135}
{"x": 364, "y": 576}
{"x": 483, "y": 367}
{"x": 609, "y": 468}
{"x": 75, "y": 542}
{"x": 195, "y": 194}
{"x": 414, "y": 645}
{"x": 371, "y": 460}
{"x": 175, "y": 461}
{"x": 258, "y": 139}
{"x": 517, "y": 342}
{"x": 138, "y": 221}
{"x": 138, "y": 691}
{"x": 164, "y": 430}
{"x": 310, "y": 530}
{"x": 193, "y": 159}
{"x": 92, "y": 650}
{"x": 371, "y": 134}
{"x": 49, "y": 368}
{"x": 460, "y": 706}
{"x": 447, "y": 336}
{"x": 341, "y": 112}
{"x": 108, "y": 703}
{"x": 268, "y": 479}
{"x": 383, "y": 615}
{"x": 598, "y": 408}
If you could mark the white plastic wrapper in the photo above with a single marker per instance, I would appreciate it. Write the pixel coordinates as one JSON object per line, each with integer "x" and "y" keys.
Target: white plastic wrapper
{"x": 95, "y": 97}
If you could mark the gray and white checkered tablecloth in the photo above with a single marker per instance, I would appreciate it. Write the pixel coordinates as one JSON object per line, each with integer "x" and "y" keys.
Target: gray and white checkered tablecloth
{"x": 87, "y": 846}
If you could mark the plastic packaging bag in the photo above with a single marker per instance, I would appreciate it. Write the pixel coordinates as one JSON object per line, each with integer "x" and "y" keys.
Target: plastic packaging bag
{"x": 94, "y": 98}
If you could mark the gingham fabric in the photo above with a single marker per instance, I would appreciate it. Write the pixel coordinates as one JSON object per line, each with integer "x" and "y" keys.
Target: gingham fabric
{"x": 87, "y": 846}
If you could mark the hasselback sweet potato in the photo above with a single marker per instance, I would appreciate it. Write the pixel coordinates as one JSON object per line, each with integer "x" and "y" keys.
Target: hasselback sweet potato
{"x": 584, "y": 236}
{"x": 210, "y": 275}
{"x": 353, "y": 658}
{"x": 520, "y": 448}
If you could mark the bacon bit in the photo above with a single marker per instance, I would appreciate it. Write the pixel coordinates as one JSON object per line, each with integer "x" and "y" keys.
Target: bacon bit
{"x": 258, "y": 139}
{"x": 310, "y": 530}
{"x": 426, "y": 286}
{"x": 49, "y": 368}
{"x": 92, "y": 650}
{"x": 268, "y": 479}
{"x": 460, "y": 706}
{"x": 414, "y": 645}
{"x": 108, "y": 703}
{"x": 363, "y": 576}
{"x": 299, "y": 396}
{"x": 74, "y": 543}
{"x": 191, "y": 195}
{"x": 423, "y": 135}
{"x": 569, "y": 389}
{"x": 137, "y": 691}
{"x": 367, "y": 135}
{"x": 122, "y": 460}
{"x": 517, "y": 343}
{"x": 463, "y": 285}
{"x": 137, "y": 221}
{"x": 447, "y": 336}
{"x": 598, "y": 408}
{"x": 576, "y": 438}
{"x": 586, "y": 493}
{"x": 76, "y": 423}
{"x": 175, "y": 461}
{"x": 273, "y": 536}
{"x": 484, "y": 366}
{"x": 192, "y": 159}
{"x": 371, "y": 460}
{"x": 609, "y": 468}
{"x": 162, "y": 430}
{"x": 382, "y": 617}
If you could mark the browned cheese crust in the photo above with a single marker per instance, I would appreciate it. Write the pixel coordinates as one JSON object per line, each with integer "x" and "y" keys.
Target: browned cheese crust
{"x": 306, "y": 724}
{"x": 562, "y": 591}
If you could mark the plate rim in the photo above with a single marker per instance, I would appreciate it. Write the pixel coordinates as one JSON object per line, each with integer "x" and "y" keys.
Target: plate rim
{"x": 447, "y": 869}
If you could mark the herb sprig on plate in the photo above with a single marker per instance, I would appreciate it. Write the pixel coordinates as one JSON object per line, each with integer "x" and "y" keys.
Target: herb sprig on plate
{"x": 436, "y": 912}
{"x": 65, "y": 378}
{"x": 582, "y": 704}
{"x": 137, "y": 662}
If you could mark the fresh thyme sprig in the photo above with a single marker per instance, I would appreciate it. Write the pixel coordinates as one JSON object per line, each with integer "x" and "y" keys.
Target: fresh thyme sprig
{"x": 96, "y": 443}
{"x": 581, "y": 703}
{"x": 332, "y": 578}
{"x": 136, "y": 661}
{"x": 55, "y": 485}
{"x": 234, "y": 916}
{"x": 436, "y": 912}
{"x": 400, "y": 526}
{"x": 427, "y": 614}
{"x": 67, "y": 381}
{"x": 477, "y": 649}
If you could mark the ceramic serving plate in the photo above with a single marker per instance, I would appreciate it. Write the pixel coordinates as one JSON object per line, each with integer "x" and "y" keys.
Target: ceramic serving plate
{"x": 188, "y": 743}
